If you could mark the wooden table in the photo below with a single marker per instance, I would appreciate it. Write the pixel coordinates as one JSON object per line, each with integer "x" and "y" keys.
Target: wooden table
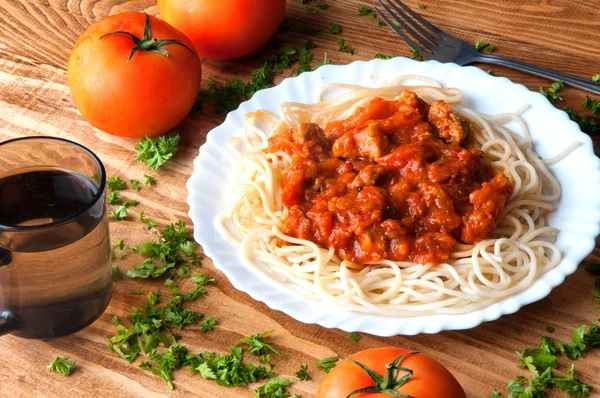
{"x": 36, "y": 37}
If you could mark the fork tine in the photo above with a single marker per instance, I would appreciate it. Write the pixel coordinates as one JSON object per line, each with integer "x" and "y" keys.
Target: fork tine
{"x": 418, "y": 47}
{"x": 408, "y": 22}
{"x": 421, "y": 20}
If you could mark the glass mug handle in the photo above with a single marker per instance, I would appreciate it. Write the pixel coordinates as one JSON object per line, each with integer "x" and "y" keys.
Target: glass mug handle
{"x": 8, "y": 323}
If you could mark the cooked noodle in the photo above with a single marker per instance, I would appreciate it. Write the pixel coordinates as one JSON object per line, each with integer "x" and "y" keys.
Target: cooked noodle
{"x": 520, "y": 249}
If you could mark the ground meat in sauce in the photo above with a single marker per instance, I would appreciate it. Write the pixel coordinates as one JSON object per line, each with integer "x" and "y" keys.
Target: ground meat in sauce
{"x": 393, "y": 181}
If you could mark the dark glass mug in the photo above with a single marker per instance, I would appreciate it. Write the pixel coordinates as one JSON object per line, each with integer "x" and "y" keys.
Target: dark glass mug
{"x": 55, "y": 262}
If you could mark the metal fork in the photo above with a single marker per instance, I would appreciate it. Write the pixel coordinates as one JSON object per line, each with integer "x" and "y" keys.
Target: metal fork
{"x": 433, "y": 43}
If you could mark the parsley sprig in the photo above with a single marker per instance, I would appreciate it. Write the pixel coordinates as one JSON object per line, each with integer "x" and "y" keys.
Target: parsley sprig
{"x": 552, "y": 92}
{"x": 302, "y": 373}
{"x": 64, "y": 366}
{"x": 327, "y": 363}
{"x": 257, "y": 347}
{"x": 156, "y": 152}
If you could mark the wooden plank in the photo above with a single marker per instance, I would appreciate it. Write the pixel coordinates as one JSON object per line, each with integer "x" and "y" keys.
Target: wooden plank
{"x": 35, "y": 41}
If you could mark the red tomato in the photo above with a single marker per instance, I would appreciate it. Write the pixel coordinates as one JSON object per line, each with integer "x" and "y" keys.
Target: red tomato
{"x": 224, "y": 29}
{"x": 148, "y": 94}
{"x": 430, "y": 378}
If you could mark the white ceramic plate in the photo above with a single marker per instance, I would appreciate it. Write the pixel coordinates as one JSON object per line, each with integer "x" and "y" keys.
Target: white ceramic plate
{"x": 577, "y": 215}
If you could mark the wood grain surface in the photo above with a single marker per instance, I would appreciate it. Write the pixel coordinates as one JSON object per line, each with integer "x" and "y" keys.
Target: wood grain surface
{"x": 35, "y": 40}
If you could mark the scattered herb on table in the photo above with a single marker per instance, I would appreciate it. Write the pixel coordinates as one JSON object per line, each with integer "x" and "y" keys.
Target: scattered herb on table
{"x": 422, "y": 6}
{"x": 147, "y": 221}
{"x": 397, "y": 24}
{"x": 380, "y": 23}
{"x": 491, "y": 72}
{"x": 334, "y": 28}
{"x": 119, "y": 213}
{"x": 257, "y": 347}
{"x": 156, "y": 152}
{"x": 365, "y": 11}
{"x": 116, "y": 273}
{"x": 311, "y": 31}
{"x": 274, "y": 388}
{"x": 149, "y": 180}
{"x": 323, "y": 6}
{"x": 327, "y": 363}
{"x": 136, "y": 292}
{"x": 591, "y": 104}
{"x": 64, "y": 366}
{"x": 415, "y": 55}
{"x": 116, "y": 184}
{"x": 135, "y": 184}
{"x": 207, "y": 324}
{"x": 552, "y": 92}
{"x": 113, "y": 198}
{"x": 588, "y": 125}
{"x": 516, "y": 330}
{"x": 481, "y": 45}
{"x": 550, "y": 329}
{"x": 355, "y": 337}
{"x": 382, "y": 56}
{"x": 596, "y": 78}
{"x": 302, "y": 373}
{"x": 345, "y": 48}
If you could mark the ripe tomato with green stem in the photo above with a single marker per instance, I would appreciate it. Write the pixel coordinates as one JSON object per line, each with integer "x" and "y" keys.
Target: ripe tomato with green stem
{"x": 133, "y": 75}
{"x": 389, "y": 372}
{"x": 224, "y": 29}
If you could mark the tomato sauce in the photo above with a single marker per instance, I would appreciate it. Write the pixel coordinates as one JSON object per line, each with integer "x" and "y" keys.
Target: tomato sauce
{"x": 393, "y": 181}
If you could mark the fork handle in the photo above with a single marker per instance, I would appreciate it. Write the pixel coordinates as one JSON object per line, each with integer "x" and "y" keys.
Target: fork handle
{"x": 574, "y": 81}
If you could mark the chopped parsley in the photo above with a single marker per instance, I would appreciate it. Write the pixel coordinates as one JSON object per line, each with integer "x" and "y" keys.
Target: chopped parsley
{"x": 491, "y": 72}
{"x": 149, "y": 180}
{"x": 207, "y": 324}
{"x": 135, "y": 185}
{"x": 481, "y": 45}
{"x": 323, "y": 6}
{"x": 64, "y": 366}
{"x": 365, "y": 11}
{"x": 397, "y": 24}
{"x": 119, "y": 213}
{"x": 382, "y": 56}
{"x": 380, "y": 23}
{"x": 516, "y": 330}
{"x": 327, "y": 363}
{"x": 355, "y": 337}
{"x": 552, "y": 92}
{"x": 415, "y": 55}
{"x": 143, "y": 219}
{"x": 116, "y": 273}
{"x": 257, "y": 346}
{"x": 302, "y": 373}
{"x": 422, "y": 6}
{"x": 136, "y": 292}
{"x": 113, "y": 198}
{"x": 344, "y": 48}
{"x": 156, "y": 152}
{"x": 274, "y": 388}
{"x": 591, "y": 104}
{"x": 588, "y": 125}
{"x": 335, "y": 28}
{"x": 596, "y": 78}
{"x": 550, "y": 329}
{"x": 116, "y": 184}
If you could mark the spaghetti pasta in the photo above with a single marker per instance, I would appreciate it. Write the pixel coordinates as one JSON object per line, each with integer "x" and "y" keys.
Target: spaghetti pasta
{"x": 520, "y": 249}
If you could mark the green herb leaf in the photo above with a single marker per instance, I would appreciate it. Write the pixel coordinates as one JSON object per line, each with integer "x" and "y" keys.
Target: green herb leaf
{"x": 588, "y": 125}
{"x": 380, "y": 23}
{"x": 323, "y": 6}
{"x": 516, "y": 330}
{"x": 591, "y": 104}
{"x": 344, "y": 48}
{"x": 156, "y": 152}
{"x": 552, "y": 93}
{"x": 119, "y": 213}
{"x": 135, "y": 185}
{"x": 327, "y": 363}
{"x": 550, "y": 329}
{"x": 116, "y": 273}
{"x": 207, "y": 324}
{"x": 136, "y": 292}
{"x": 596, "y": 78}
{"x": 274, "y": 388}
{"x": 147, "y": 269}
{"x": 422, "y": 6}
{"x": 302, "y": 373}
{"x": 154, "y": 297}
{"x": 256, "y": 346}
{"x": 149, "y": 180}
{"x": 355, "y": 337}
{"x": 491, "y": 72}
{"x": 334, "y": 28}
{"x": 64, "y": 366}
{"x": 415, "y": 55}
{"x": 147, "y": 221}
{"x": 116, "y": 184}
{"x": 481, "y": 45}
{"x": 381, "y": 56}
{"x": 365, "y": 11}
{"x": 113, "y": 198}
{"x": 311, "y": 31}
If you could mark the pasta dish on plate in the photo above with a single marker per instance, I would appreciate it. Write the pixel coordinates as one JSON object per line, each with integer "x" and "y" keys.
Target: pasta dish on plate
{"x": 396, "y": 201}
